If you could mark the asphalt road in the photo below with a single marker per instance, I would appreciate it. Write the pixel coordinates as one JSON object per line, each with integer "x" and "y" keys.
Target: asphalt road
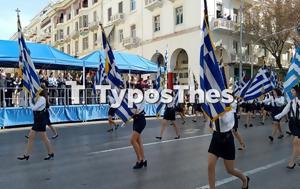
{"x": 87, "y": 157}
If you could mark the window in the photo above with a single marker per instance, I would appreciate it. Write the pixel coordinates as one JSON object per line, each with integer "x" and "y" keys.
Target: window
{"x": 95, "y": 1}
{"x": 55, "y": 37}
{"x": 109, "y": 14}
{"x": 68, "y": 30}
{"x": 85, "y": 43}
{"x": 121, "y": 36}
{"x": 235, "y": 46}
{"x": 76, "y": 26}
{"x": 132, "y": 5}
{"x": 179, "y": 15}
{"x": 76, "y": 47}
{"x": 85, "y": 3}
{"x": 95, "y": 16}
{"x": 121, "y": 7}
{"x": 69, "y": 49}
{"x": 219, "y": 10}
{"x": 69, "y": 16}
{"x": 95, "y": 39}
{"x": 61, "y": 34}
{"x": 133, "y": 31}
{"x": 236, "y": 15}
{"x": 61, "y": 18}
{"x": 156, "y": 23}
{"x": 83, "y": 21}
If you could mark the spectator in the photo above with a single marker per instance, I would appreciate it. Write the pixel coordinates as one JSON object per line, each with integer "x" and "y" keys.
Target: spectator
{"x": 89, "y": 88}
{"x": 10, "y": 90}
{"x": 2, "y": 88}
{"x": 132, "y": 82}
{"x": 149, "y": 82}
{"x": 18, "y": 88}
{"x": 69, "y": 77}
{"x": 52, "y": 88}
{"x": 61, "y": 82}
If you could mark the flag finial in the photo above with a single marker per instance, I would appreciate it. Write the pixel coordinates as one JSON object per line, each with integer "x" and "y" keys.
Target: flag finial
{"x": 18, "y": 11}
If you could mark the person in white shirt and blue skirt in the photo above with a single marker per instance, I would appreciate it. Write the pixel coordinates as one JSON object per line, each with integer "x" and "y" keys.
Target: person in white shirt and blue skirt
{"x": 39, "y": 126}
{"x": 293, "y": 110}
{"x": 222, "y": 146}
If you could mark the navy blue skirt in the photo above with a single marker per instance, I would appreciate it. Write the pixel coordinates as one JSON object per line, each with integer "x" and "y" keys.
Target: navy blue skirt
{"x": 39, "y": 121}
{"x": 222, "y": 145}
{"x": 169, "y": 114}
{"x": 139, "y": 123}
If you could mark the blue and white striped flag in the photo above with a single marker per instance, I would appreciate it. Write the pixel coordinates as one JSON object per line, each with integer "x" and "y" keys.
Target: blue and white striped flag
{"x": 292, "y": 78}
{"x": 159, "y": 84}
{"x": 238, "y": 86}
{"x": 31, "y": 81}
{"x": 99, "y": 76}
{"x": 115, "y": 80}
{"x": 210, "y": 75}
{"x": 260, "y": 84}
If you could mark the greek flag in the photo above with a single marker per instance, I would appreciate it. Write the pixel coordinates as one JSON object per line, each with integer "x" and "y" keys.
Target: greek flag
{"x": 99, "y": 76}
{"x": 239, "y": 86}
{"x": 292, "y": 78}
{"x": 260, "y": 85}
{"x": 210, "y": 75}
{"x": 31, "y": 81}
{"x": 115, "y": 80}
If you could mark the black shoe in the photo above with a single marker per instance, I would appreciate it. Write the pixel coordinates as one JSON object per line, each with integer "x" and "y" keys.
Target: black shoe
{"x": 55, "y": 136}
{"x": 139, "y": 165}
{"x": 145, "y": 163}
{"x": 280, "y": 136}
{"x": 194, "y": 120}
{"x": 23, "y": 157}
{"x": 178, "y": 137}
{"x": 250, "y": 125}
{"x": 262, "y": 123}
{"x": 288, "y": 167}
{"x": 271, "y": 138}
{"x": 26, "y": 136}
{"x": 159, "y": 138}
{"x": 110, "y": 130}
{"x": 248, "y": 180}
{"x": 49, "y": 157}
{"x": 246, "y": 125}
{"x": 289, "y": 133}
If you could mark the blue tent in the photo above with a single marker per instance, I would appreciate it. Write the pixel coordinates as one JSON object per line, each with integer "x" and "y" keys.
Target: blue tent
{"x": 43, "y": 56}
{"x": 126, "y": 62}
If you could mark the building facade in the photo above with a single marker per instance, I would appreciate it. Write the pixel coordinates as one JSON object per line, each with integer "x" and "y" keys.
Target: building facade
{"x": 148, "y": 28}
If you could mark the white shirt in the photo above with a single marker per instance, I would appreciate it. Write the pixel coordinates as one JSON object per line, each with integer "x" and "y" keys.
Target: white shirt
{"x": 52, "y": 81}
{"x": 278, "y": 101}
{"x": 139, "y": 107}
{"x": 39, "y": 105}
{"x": 287, "y": 108}
{"x": 226, "y": 122}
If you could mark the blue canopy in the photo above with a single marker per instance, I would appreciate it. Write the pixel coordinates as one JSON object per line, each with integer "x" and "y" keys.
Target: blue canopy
{"x": 126, "y": 62}
{"x": 43, "y": 56}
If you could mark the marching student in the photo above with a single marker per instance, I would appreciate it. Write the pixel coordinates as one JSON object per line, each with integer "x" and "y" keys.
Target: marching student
{"x": 293, "y": 109}
{"x": 277, "y": 102}
{"x": 139, "y": 124}
{"x": 249, "y": 110}
{"x": 265, "y": 108}
{"x": 222, "y": 146}
{"x": 169, "y": 115}
{"x": 179, "y": 108}
{"x": 47, "y": 115}
{"x": 39, "y": 126}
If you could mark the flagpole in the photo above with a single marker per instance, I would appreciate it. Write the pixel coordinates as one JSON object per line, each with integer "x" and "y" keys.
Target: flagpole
{"x": 241, "y": 41}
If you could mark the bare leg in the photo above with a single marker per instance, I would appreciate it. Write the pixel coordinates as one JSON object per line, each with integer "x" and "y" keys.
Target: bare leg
{"x": 164, "y": 126}
{"x": 212, "y": 161}
{"x": 31, "y": 138}
{"x": 46, "y": 142}
{"x": 136, "y": 146}
{"x": 296, "y": 151}
{"x": 279, "y": 128}
{"x": 176, "y": 129}
{"x": 53, "y": 129}
{"x": 140, "y": 142}
{"x": 239, "y": 138}
{"x": 229, "y": 165}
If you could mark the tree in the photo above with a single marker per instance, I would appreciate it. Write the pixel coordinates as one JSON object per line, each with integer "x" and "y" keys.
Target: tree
{"x": 270, "y": 24}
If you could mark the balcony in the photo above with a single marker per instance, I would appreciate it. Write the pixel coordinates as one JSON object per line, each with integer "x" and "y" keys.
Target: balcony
{"x": 75, "y": 34}
{"x": 153, "y": 4}
{"x": 246, "y": 59}
{"x": 117, "y": 18}
{"x": 94, "y": 25}
{"x": 225, "y": 25}
{"x": 67, "y": 38}
{"x": 130, "y": 42}
{"x": 84, "y": 28}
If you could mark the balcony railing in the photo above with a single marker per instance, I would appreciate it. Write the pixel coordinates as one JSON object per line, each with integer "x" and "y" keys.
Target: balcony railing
{"x": 117, "y": 18}
{"x": 153, "y": 4}
{"x": 94, "y": 25}
{"x": 224, "y": 24}
{"x": 130, "y": 42}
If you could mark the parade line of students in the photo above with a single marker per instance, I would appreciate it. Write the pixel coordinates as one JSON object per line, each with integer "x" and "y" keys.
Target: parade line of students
{"x": 224, "y": 129}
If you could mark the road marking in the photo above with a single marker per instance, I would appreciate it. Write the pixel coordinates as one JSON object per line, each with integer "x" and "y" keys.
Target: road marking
{"x": 149, "y": 144}
{"x": 247, "y": 173}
